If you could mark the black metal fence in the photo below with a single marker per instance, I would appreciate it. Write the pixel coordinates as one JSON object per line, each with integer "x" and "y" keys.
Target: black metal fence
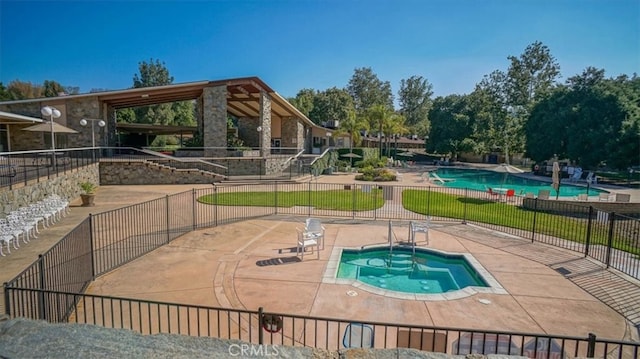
{"x": 279, "y": 329}
{"x": 24, "y": 167}
{"x": 50, "y": 288}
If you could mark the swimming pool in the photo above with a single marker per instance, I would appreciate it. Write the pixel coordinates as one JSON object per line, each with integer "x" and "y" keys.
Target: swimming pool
{"x": 425, "y": 272}
{"x": 481, "y": 179}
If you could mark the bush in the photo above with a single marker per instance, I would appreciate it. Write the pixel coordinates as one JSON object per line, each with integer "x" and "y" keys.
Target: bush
{"x": 376, "y": 174}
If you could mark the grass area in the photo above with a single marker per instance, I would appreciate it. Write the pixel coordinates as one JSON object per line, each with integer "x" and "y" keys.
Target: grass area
{"x": 436, "y": 204}
{"x": 341, "y": 200}
{"x": 501, "y": 214}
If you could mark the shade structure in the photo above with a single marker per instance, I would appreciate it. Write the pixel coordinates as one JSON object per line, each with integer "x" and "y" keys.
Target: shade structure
{"x": 555, "y": 178}
{"x": 351, "y": 155}
{"x": 506, "y": 168}
{"x": 46, "y": 127}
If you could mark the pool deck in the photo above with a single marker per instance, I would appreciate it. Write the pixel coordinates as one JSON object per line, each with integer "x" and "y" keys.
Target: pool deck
{"x": 253, "y": 263}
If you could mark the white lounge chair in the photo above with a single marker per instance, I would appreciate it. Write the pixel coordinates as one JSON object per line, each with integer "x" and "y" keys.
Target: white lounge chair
{"x": 604, "y": 197}
{"x": 544, "y": 194}
{"x": 623, "y": 197}
{"x": 592, "y": 178}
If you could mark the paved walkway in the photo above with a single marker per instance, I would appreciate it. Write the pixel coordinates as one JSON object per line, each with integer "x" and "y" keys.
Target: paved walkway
{"x": 225, "y": 274}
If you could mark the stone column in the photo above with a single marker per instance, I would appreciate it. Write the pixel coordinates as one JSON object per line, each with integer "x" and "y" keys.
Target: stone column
{"x": 265, "y": 122}
{"x": 214, "y": 121}
{"x": 293, "y": 133}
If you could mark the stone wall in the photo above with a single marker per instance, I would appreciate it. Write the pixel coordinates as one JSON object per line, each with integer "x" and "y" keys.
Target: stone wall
{"x": 144, "y": 173}
{"x": 64, "y": 185}
{"x": 23, "y": 338}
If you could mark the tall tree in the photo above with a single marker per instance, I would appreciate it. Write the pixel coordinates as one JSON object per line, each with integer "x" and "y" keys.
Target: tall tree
{"x": 331, "y": 104}
{"x": 152, "y": 74}
{"x": 451, "y": 125}
{"x": 20, "y": 90}
{"x": 531, "y": 75}
{"x": 4, "y": 93}
{"x": 593, "y": 120}
{"x": 414, "y": 97}
{"x": 368, "y": 90}
{"x": 377, "y": 116}
{"x": 304, "y": 100}
{"x": 156, "y": 74}
{"x": 52, "y": 89}
{"x": 352, "y": 125}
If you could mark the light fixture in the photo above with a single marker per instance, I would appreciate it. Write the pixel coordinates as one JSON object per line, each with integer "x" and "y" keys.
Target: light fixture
{"x": 51, "y": 112}
{"x": 101, "y": 123}
{"x": 259, "y": 129}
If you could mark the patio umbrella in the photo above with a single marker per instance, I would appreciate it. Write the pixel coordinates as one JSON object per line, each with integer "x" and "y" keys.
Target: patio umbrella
{"x": 46, "y": 127}
{"x": 506, "y": 169}
{"x": 555, "y": 178}
{"x": 351, "y": 156}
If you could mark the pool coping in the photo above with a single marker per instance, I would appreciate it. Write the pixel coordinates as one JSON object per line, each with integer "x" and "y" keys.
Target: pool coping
{"x": 494, "y": 287}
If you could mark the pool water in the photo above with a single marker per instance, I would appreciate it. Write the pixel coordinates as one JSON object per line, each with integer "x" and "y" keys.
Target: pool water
{"x": 481, "y": 179}
{"x": 426, "y": 272}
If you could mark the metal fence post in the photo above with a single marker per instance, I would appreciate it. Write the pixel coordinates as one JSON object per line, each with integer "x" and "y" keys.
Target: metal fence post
{"x": 91, "y": 248}
{"x": 7, "y": 309}
{"x": 260, "y": 333}
{"x": 353, "y": 203}
{"x": 464, "y": 208}
{"x": 41, "y": 301}
{"x": 194, "y": 213}
{"x": 309, "y": 197}
{"x": 535, "y": 216}
{"x": 588, "y": 239}
{"x": 275, "y": 193}
{"x": 215, "y": 207}
{"x": 167, "y": 212}
{"x": 591, "y": 346}
{"x": 610, "y": 239}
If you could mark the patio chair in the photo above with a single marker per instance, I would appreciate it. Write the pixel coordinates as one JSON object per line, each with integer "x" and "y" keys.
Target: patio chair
{"x": 419, "y": 227}
{"x": 604, "y": 197}
{"x": 358, "y": 335}
{"x": 544, "y": 194}
{"x": 492, "y": 192}
{"x": 305, "y": 242}
{"x": 592, "y": 178}
{"x": 315, "y": 230}
{"x": 582, "y": 197}
{"x": 511, "y": 194}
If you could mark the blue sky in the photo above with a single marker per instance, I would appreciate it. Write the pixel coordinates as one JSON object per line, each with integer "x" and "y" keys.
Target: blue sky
{"x": 295, "y": 44}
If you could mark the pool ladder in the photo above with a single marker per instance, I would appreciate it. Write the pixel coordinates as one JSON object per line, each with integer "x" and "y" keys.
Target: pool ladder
{"x": 412, "y": 241}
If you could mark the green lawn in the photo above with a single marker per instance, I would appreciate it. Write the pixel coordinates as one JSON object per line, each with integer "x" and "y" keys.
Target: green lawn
{"x": 502, "y": 214}
{"x": 341, "y": 200}
{"x": 435, "y": 204}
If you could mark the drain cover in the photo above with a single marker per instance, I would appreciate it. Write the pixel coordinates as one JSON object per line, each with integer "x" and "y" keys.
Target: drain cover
{"x": 563, "y": 270}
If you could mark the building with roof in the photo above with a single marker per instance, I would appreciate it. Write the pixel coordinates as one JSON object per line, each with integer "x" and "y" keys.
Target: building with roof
{"x": 265, "y": 119}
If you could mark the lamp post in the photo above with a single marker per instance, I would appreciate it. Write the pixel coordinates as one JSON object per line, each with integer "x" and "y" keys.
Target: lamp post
{"x": 259, "y": 129}
{"x": 101, "y": 123}
{"x": 51, "y": 112}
